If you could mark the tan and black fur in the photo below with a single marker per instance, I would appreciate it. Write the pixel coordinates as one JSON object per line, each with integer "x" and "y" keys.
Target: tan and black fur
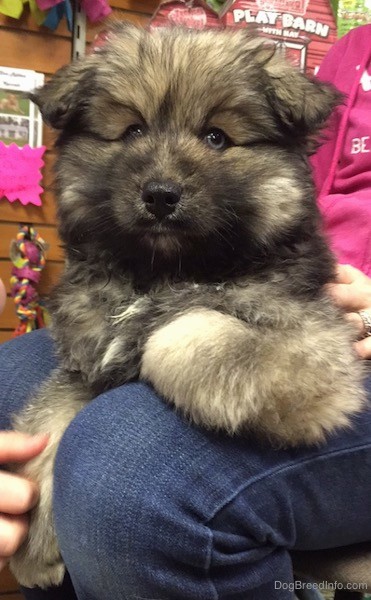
{"x": 219, "y": 304}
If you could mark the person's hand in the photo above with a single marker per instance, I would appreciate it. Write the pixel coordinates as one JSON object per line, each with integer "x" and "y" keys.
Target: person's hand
{"x": 2, "y": 296}
{"x": 17, "y": 494}
{"x": 352, "y": 291}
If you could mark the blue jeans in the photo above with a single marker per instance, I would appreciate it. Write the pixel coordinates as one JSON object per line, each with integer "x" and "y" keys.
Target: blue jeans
{"x": 150, "y": 507}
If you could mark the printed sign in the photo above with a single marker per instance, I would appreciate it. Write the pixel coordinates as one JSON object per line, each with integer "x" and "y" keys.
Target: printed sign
{"x": 20, "y": 119}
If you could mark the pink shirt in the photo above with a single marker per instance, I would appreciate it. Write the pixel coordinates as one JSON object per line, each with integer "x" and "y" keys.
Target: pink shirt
{"x": 342, "y": 166}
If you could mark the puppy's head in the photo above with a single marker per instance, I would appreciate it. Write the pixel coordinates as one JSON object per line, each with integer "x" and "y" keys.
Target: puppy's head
{"x": 178, "y": 142}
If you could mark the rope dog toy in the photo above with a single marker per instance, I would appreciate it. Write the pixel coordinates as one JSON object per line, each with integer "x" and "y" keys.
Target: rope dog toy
{"x": 27, "y": 253}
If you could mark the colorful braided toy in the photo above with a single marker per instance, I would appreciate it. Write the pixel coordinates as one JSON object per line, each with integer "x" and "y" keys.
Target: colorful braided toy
{"x": 27, "y": 254}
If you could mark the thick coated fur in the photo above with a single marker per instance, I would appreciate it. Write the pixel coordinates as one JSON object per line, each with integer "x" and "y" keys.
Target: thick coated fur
{"x": 220, "y": 305}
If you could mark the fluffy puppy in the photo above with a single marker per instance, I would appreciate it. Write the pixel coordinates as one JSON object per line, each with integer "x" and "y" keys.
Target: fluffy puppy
{"x": 194, "y": 259}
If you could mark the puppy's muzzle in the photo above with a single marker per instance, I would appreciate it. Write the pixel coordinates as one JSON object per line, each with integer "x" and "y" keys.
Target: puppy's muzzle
{"x": 161, "y": 197}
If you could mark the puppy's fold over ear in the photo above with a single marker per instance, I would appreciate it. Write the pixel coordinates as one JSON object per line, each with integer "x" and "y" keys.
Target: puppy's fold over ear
{"x": 301, "y": 103}
{"x": 60, "y": 98}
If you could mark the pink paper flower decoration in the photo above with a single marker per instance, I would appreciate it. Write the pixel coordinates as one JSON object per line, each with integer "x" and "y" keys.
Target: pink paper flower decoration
{"x": 96, "y": 10}
{"x": 20, "y": 173}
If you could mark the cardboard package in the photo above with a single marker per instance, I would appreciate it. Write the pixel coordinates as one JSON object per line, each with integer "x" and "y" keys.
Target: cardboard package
{"x": 304, "y": 30}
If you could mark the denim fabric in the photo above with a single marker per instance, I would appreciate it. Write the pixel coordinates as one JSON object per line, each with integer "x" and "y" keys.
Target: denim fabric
{"x": 150, "y": 507}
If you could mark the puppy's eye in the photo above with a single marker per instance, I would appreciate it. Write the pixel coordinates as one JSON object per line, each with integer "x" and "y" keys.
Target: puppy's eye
{"x": 134, "y": 131}
{"x": 216, "y": 139}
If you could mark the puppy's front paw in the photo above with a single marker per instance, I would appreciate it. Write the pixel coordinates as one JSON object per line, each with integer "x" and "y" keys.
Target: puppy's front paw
{"x": 192, "y": 362}
{"x": 226, "y": 375}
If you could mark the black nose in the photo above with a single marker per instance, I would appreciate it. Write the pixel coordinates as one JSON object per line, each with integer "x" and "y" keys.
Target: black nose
{"x": 161, "y": 197}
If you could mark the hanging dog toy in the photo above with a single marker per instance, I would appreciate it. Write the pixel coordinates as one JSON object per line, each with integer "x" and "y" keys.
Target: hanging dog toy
{"x": 27, "y": 254}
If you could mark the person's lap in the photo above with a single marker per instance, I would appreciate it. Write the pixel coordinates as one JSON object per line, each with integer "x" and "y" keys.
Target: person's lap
{"x": 148, "y": 506}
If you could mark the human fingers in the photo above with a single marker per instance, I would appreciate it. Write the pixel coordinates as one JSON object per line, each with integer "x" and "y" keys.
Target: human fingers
{"x": 352, "y": 289}
{"x": 348, "y": 274}
{"x": 20, "y": 447}
{"x": 13, "y": 531}
{"x": 363, "y": 348}
{"x": 361, "y": 325}
{"x": 355, "y": 319}
{"x": 2, "y": 296}
{"x": 351, "y": 297}
{"x": 17, "y": 494}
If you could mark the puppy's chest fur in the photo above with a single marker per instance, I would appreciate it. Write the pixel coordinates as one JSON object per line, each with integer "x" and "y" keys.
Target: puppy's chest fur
{"x": 101, "y": 326}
